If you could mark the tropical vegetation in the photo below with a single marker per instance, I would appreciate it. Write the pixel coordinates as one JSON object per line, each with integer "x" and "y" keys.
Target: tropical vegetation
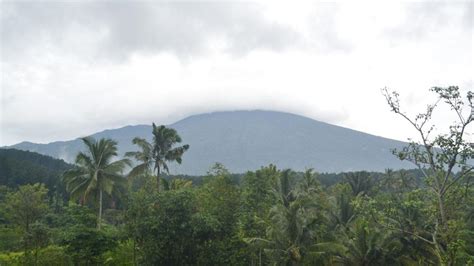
{"x": 107, "y": 210}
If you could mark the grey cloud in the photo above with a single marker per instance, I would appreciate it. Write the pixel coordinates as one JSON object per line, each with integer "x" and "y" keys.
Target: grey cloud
{"x": 324, "y": 35}
{"x": 424, "y": 18}
{"x": 119, "y": 29}
{"x": 469, "y": 15}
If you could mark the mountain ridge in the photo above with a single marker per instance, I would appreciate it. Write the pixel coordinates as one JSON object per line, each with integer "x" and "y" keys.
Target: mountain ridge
{"x": 247, "y": 140}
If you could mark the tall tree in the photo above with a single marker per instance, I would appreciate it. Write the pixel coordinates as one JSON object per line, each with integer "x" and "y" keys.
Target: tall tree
{"x": 257, "y": 200}
{"x": 362, "y": 244}
{"x": 25, "y": 207}
{"x": 163, "y": 151}
{"x": 361, "y": 182}
{"x": 439, "y": 157}
{"x": 294, "y": 220}
{"x": 144, "y": 157}
{"x": 95, "y": 172}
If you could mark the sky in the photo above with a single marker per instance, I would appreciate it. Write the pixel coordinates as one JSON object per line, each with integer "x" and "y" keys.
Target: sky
{"x": 70, "y": 68}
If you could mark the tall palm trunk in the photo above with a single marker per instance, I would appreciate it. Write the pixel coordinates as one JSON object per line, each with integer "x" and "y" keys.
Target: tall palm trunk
{"x": 99, "y": 219}
{"x": 158, "y": 178}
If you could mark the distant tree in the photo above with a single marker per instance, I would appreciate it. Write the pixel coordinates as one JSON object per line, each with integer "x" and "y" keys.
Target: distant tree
{"x": 39, "y": 237}
{"x": 443, "y": 160}
{"x": 176, "y": 184}
{"x": 86, "y": 245}
{"x": 25, "y": 207}
{"x": 257, "y": 200}
{"x": 162, "y": 225}
{"x": 216, "y": 224}
{"x": 219, "y": 198}
{"x": 399, "y": 181}
{"x": 295, "y": 221}
{"x": 362, "y": 244}
{"x": 309, "y": 182}
{"x": 159, "y": 153}
{"x": 360, "y": 182}
{"x": 144, "y": 157}
{"x": 342, "y": 212}
{"x": 95, "y": 172}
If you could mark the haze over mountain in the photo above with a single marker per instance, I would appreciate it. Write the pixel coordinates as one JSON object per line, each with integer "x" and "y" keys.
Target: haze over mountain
{"x": 247, "y": 140}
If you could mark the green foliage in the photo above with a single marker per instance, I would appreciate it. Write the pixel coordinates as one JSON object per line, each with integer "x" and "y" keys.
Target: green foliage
{"x": 176, "y": 183}
{"x": 341, "y": 211}
{"x": 23, "y": 167}
{"x": 297, "y": 220}
{"x": 25, "y": 206}
{"x": 10, "y": 238}
{"x": 87, "y": 245}
{"x": 14, "y": 258}
{"x": 365, "y": 244}
{"x": 53, "y": 256}
{"x": 164, "y": 140}
{"x": 220, "y": 198}
{"x": 162, "y": 227}
{"x": 216, "y": 223}
{"x": 122, "y": 254}
{"x": 361, "y": 182}
{"x": 158, "y": 153}
{"x": 48, "y": 256}
{"x": 96, "y": 173}
{"x": 257, "y": 200}
{"x": 438, "y": 158}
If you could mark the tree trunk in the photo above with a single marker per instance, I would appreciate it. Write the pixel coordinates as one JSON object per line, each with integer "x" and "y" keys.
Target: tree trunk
{"x": 134, "y": 251}
{"x": 99, "y": 219}
{"x": 36, "y": 255}
{"x": 158, "y": 179}
{"x": 442, "y": 212}
{"x": 27, "y": 238}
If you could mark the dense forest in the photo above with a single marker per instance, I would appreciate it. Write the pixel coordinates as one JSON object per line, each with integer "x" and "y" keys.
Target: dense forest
{"x": 23, "y": 167}
{"x": 106, "y": 210}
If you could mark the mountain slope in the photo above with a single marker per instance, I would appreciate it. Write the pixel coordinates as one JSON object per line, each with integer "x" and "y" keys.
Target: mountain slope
{"x": 22, "y": 167}
{"x": 247, "y": 140}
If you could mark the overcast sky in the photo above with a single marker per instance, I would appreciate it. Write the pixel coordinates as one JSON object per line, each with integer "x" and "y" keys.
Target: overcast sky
{"x": 69, "y": 68}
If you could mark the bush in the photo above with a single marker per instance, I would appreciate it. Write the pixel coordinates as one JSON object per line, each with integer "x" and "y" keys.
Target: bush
{"x": 53, "y": 256}
{"x": 87, "y": 245}
{"x": 122, "y": 255}
{"x": 12, "y": 259}
{"x": 10, "y": 239}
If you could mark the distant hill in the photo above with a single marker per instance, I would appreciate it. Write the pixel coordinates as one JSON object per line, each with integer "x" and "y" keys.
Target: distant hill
{"x": 247, "y": 140}
{"x": 22, "y": 167}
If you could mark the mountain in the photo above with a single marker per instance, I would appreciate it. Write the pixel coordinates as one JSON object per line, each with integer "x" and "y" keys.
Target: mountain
{"x": 22, "y": 167}
{"x": 247, "y": 140}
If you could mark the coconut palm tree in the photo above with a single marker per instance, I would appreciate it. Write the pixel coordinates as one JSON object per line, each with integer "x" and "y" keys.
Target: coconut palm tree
{"x": 176, "y": 184}
{"x": 293, "y": 220}
{"x": 158, "y": 153}
{"x": 360, "y": 182}
{"x": 144, "y": 157}
{"x": 364, "y": 244}
{"x": 95, "y": 172}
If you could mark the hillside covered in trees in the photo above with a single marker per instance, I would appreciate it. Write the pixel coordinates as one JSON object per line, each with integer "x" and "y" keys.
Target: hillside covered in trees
{"x": 23, "y": 167}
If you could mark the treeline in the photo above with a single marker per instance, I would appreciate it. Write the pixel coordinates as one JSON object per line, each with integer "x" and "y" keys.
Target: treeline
{"x": 269, "y": 216}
